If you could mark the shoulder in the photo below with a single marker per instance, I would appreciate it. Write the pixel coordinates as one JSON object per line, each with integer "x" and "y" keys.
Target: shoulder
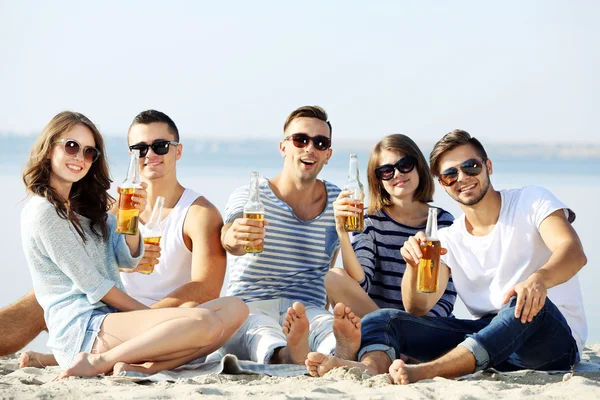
{"x": 445, "y": 218}
{"x": 202, "y": 213}
{"x": 38, "y": 210}
{"x": 331, "y": 189}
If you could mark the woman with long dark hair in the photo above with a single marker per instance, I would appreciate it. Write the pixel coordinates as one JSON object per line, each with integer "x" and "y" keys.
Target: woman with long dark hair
{"x": 74, "y": 256}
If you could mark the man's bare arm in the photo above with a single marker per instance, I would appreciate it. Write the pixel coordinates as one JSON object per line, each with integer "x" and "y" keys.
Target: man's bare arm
{"x": 566, "y": 260}
{"x": 202, "y": 228}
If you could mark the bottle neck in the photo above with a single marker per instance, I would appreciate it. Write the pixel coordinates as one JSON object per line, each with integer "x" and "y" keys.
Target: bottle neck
{"x": 254, "y": 194}
{"x": 133, "y": 172}
{"x": 156, "y": 215}
{"x": 431, "y": 231}
{"x": 353, "y": 169}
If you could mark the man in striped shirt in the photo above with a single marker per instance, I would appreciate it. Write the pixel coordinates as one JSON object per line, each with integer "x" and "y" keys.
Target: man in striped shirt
{"x": 284, "y": 284}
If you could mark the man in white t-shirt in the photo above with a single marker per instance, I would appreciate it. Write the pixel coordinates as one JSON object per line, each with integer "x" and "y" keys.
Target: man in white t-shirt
{"x": 513, "y": 257}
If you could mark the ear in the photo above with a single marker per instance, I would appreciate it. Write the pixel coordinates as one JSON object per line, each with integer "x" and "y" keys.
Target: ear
{"x": 179, "y": 148}
{"x": 329, "y": 153}
{"x": 488, "y": 164}
{"x": 282, "y": 149}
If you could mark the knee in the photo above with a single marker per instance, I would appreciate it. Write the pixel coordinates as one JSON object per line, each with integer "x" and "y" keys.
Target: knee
{"x": 334, "y": 279}
{"x": 210, "y": 326}
{"x": 239, "y": 311}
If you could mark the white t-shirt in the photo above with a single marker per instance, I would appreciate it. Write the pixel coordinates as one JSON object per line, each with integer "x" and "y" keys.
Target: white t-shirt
{"x": 484, "y": 268}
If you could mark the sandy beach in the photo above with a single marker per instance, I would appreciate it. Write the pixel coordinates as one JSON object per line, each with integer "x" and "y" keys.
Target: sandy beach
{"x": 33, "y": 383}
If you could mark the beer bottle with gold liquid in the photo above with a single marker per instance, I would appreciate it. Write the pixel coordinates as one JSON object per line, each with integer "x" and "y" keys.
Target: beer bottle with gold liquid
{"x": 254, "y": 209}
{"x": 429, "y": 265}
{"x": 128, "y": 215}
{"x": 357, "y": 223}
{"x": 153, "y": 230}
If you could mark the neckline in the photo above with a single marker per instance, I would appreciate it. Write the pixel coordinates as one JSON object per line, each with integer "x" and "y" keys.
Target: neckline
{"x": 289, "y": 208}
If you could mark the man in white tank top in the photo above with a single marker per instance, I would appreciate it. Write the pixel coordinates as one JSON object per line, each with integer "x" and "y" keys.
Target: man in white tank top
{"x": 189, "y": 264}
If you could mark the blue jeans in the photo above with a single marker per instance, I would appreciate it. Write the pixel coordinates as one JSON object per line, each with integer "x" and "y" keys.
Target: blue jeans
{"x": 498, "y": 341}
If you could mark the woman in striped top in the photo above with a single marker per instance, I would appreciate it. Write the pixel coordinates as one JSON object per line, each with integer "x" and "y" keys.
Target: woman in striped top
{"x": 400, "y": 186}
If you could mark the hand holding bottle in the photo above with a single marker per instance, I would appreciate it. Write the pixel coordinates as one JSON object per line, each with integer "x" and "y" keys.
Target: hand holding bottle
{"x": 345, "y": 206}
{"x": 147, "y": 263}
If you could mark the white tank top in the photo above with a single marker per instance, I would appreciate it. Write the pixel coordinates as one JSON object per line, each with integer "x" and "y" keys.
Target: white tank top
{"x": 174, "y": 268}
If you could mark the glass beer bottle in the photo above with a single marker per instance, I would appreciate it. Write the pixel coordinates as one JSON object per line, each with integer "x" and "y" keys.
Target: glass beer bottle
{"x": 128, "y": 215}
{"x": 153, "y": 230}
{"x": 357, "y": 223}
{"x": 429, "y": 265}
{"x": 254, "y": 209}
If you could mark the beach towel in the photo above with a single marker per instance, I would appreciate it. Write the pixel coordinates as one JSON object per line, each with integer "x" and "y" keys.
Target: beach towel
{"x": 232, "y": 366}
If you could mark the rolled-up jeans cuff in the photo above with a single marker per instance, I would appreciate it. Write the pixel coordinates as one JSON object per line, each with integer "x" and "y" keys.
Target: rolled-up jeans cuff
{"x": 377, "y": 347}
{"x": 482, "y": 358}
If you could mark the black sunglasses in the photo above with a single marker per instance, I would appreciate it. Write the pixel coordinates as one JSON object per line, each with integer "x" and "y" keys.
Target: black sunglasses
{"x": 160, "y": 147}
{"x": 301, "y": 140}
{"x": 72, "y": 148}
{"x": 404, "y": 165}
{"x": 471, "y": 167}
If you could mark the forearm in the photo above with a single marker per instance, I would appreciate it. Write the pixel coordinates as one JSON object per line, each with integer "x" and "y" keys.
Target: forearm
{"x": 133, "y": 242}
{"x": 415, "y": 302}
{"x": 195, "y": 291}
{"x": 121, "y": 301}
{"x": 351, "y": 264}
{"x": 564, "y": 263}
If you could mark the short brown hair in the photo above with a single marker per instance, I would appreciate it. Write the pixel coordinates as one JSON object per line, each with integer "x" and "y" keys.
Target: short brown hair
{"x": 449, "y": 142}
{"x": 308, "y": 112}
{"x": 378, "y": 197}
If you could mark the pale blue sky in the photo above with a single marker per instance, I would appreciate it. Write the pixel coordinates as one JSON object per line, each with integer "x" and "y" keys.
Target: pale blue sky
{"x": 505, "y": 71}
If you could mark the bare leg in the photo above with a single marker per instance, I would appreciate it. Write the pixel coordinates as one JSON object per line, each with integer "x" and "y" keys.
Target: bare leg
{"x": 295, "y": 327}
{"x": 148, "y": 335}
{"x": 458, "y": 362}
{"x": 341, "y": 288}
{"x": 231, "y": 310}
{"x": 346, "y": 328}
{"x": 20, "y": 323}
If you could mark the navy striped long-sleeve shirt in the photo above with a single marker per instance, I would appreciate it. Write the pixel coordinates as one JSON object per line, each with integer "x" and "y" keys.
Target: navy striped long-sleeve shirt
{"x": 378, "y": 251}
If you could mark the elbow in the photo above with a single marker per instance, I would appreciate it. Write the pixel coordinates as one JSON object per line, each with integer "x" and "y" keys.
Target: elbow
{"x": 416, "y": 311}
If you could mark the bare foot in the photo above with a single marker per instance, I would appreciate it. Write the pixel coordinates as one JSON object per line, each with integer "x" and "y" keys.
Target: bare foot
{"x": 403, "y": 374}
{"x": 346, "y": 329}
{"x": 36, "y": 360}
{"x": 295, "y": 328}
{"x": 121, "y": 367}
{"x": 85, "y": 364}
{"x": 319, "y": 364}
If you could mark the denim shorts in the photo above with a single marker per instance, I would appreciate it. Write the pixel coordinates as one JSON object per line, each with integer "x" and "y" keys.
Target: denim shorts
{"x": 93, "y": 327}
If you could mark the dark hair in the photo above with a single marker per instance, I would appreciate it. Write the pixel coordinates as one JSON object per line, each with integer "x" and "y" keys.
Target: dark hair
{"x": 149, "y": 116}
{"x": 309, "y": 112}
{"x": 89, "y": 196}
{"x": 378, "y": 197}
{"x": 449, "y": 142}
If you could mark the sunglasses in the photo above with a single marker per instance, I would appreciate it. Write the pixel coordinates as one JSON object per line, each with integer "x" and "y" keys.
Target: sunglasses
{"x": 471, "y": 167}
{"x": 301, "y": 140}
{"x": 159, "y": 147}
{"x": 404, "y": 165}
{"x": 72, "y": 148}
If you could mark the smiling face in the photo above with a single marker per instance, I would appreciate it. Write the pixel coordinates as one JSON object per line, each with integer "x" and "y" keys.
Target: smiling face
{"x": 154, "y": 166}
{"x": 305, "y": 163}
{"x": 401, "y": 186}
{"x": 468, "y": 190}
{"x": 67, "y": 169}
